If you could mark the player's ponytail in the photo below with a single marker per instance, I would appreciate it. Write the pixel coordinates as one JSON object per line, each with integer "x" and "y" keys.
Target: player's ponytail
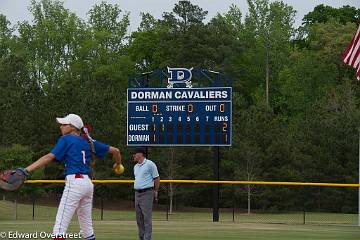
{"x": 86, "y": 134}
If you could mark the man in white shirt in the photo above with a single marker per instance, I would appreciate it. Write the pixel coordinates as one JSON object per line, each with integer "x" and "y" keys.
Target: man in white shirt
{"x": 146, "y": 185}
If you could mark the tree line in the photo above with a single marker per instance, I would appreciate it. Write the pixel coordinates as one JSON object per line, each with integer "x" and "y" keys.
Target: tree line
{"x": 295, "y": 104}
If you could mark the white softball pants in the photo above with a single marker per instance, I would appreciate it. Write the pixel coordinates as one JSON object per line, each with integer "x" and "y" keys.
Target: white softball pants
{"x": 77, "y": 196}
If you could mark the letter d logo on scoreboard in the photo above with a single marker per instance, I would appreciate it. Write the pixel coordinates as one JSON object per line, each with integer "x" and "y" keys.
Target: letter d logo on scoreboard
{"x": 179, "y": 75}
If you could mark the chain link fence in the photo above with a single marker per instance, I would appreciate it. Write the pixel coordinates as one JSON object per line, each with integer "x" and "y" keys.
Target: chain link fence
{"x": 193, "y": 202}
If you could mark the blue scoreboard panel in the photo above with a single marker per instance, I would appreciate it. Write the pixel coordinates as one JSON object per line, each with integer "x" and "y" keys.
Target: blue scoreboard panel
{"x": 179, "y": 116}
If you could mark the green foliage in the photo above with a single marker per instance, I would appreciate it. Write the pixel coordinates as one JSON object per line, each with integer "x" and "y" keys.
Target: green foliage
{"x": 306, "y": 131}
{"x": 185, "y": 15}
{"x": 323, "y": 14}
{"x": 15, "y": 156}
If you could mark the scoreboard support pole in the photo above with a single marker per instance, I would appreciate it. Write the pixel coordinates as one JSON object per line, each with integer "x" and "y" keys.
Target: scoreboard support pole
{"x": 147, "y": 152}
{"x": 216, "y": 186}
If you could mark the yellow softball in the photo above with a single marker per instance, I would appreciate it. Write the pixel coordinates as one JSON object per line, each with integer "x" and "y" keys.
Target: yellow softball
{"x": 118, "y": 168}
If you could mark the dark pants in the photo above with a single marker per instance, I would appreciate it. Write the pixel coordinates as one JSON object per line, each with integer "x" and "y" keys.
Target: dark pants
{"x": 143, "y": 207}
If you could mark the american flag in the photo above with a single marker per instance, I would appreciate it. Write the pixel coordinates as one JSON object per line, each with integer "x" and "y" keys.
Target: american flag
{"x": 352, "y": 54}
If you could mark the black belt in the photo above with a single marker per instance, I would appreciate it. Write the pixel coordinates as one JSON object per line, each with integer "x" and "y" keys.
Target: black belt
{"x": 143, "y": 190}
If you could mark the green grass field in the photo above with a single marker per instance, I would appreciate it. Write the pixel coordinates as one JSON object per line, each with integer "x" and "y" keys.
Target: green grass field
{"x": 175, "y": 230}
{"x": 181, "y": 226}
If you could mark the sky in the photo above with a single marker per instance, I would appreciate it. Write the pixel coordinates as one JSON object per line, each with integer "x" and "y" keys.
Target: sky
{"x": 17, "y": 10}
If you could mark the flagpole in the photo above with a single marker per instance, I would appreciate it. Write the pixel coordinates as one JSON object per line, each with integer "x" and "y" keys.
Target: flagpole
{"x": 359, "y": 182}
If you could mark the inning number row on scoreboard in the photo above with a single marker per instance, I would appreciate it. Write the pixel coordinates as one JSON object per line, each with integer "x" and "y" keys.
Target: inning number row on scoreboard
{"x": 179, "y": 116}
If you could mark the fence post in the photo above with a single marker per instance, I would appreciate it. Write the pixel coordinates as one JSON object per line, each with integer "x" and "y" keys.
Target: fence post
{"x": 33, "y": 207}
{"x": 102, "y": 208}
{"x": 303, "y": 198}
{"x": 304, "y": 216}
{"x": 15, "y": 206}
{"x": 304, "y": 212}
{"x": 233, "y": 214}
{"x": 234, "y": 205}
{"x": 167, "y": 202}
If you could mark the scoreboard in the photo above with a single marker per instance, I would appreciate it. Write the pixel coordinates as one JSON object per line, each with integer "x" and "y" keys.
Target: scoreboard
{"x": 179, "y": 116}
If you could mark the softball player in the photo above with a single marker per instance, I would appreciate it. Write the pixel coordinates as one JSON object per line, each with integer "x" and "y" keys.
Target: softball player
{"x": 74, "y": 151}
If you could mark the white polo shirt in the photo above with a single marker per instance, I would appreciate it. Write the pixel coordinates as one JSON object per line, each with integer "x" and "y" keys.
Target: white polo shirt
{"x": 145, "y": 174}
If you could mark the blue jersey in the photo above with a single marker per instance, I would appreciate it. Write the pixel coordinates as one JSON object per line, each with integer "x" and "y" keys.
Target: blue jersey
{"x": 75, "y": 152}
